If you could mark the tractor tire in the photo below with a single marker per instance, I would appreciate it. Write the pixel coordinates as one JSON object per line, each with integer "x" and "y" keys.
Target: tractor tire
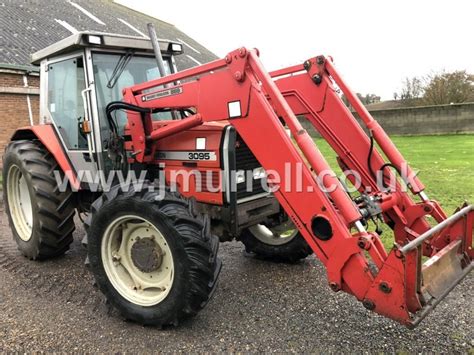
{"x": 273, "y": 245}
{"x": 155, "y": 260}
{"x": 40, "y": 215}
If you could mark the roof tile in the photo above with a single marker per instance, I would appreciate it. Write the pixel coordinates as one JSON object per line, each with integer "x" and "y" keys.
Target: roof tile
{"x": 28, "y": 26}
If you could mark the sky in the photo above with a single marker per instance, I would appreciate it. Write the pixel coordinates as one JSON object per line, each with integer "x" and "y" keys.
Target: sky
{"x": 375, "y": 44}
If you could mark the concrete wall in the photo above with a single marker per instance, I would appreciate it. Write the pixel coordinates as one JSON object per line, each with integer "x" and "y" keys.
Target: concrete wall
{"x": 443, "y": 119}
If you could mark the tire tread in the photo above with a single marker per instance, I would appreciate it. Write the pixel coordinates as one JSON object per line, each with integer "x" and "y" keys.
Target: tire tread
{"x": 200, "y": 245}
{"x": 55, "y": 209}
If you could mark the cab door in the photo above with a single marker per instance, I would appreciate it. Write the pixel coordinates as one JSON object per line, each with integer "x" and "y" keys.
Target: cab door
{"x": 111, "y": 72}
{"x": 67, "y": 105}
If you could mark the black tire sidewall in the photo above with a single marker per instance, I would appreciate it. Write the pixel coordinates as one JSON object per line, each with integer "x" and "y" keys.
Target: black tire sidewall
{"x": 30, "y": 247}
{"x": 135, "y": 206}
{"x": 292, "y": 251}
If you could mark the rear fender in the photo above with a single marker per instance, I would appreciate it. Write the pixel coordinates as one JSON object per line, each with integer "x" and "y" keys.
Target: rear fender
{"x": 47, "y": 135}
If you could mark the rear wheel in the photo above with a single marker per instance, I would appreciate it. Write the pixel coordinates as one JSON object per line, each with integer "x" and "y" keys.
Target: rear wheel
{"x": 282, "y": 243}
{"x": 154, "y": 260}
{"x": 40, "y": 214}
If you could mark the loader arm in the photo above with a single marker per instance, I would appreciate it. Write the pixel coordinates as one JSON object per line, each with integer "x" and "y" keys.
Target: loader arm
{"x": 259, "y": 105}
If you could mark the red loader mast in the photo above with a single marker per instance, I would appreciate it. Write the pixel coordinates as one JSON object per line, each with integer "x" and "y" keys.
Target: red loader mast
{"x": 259, "y": 105}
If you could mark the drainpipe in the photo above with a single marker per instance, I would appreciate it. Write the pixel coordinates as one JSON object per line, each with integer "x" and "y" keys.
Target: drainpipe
{"x": 28, "y": 101}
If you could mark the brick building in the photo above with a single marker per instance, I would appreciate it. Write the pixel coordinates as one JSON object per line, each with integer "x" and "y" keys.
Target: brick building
{"x": 19, "y": 99}
{"x": 28, "y": 26}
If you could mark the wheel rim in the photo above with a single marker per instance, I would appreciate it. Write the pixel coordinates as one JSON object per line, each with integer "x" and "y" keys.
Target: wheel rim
{"x": 278, "y": 235}
{"x": 19, "y": 203}
{"x": 137, "y": 260}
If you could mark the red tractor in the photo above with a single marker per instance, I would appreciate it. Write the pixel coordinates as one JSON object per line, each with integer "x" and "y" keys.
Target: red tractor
{"x": 166, "y": 163}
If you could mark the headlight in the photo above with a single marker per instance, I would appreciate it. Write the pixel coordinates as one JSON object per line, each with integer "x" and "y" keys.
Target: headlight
{"x": 259, "y": 173}
{"x": 176, "y": 48}
{"x": 94, "y": 40}
{"x": 240, "y": 176}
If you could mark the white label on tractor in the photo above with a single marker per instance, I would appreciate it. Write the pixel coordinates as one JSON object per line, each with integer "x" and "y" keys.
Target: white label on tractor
{"x": 199, "y": 156}
{"x": 234, "y": 109}
{"x": 163, "y": 93}
{"x": 200, "y": 143}
{"x": 52, "y": 108}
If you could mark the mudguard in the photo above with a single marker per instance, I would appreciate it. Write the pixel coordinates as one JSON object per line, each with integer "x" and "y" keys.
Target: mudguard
{"x": 48, "y": 136}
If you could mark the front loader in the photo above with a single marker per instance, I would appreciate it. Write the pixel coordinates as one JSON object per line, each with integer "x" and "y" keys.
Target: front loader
{"x": 218, "y": 150}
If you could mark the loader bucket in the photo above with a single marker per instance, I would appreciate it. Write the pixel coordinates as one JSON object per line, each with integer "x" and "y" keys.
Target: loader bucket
{"x": 444, "y": 270}
{"x": 411, "y": 289}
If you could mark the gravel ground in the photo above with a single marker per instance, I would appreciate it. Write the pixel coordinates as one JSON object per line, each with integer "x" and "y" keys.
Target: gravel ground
{"x": 259, "y": 306}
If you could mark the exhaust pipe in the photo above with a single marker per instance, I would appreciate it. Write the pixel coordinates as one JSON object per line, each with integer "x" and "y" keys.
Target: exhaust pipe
{"x": 157, "y": 50}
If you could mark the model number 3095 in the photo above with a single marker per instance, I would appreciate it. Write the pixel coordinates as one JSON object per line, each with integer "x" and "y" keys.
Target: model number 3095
{"x": 199, "y": 156}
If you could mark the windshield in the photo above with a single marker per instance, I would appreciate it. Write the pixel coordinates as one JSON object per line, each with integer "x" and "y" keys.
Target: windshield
{"x": 109, "y": 83}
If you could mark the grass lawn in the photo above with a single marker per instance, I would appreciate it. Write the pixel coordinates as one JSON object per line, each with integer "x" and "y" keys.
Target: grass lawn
{"x": 445, "y": 165}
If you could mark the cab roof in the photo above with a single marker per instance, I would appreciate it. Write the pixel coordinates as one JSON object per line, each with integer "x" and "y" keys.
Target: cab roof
{"x": 103, "y": 40}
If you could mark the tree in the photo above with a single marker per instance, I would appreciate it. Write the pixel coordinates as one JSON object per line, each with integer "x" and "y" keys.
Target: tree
{"x": 371, "y": 99}
{"x": 411, "y": 89}
{"x": 345, "y": 100}
{"x": 445, "y": 88}
{"x": 367, "y": 99}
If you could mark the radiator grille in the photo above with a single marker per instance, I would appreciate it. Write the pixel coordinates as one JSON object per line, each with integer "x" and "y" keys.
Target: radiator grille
{"x": 246, "y": 161}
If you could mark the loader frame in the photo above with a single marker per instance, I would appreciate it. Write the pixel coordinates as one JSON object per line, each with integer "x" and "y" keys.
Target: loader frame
{"x": 259, "y": 105}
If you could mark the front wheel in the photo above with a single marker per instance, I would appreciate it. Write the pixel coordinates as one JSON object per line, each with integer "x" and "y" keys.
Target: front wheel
{"x": 154, "y": 259}
{"x": 282, "y": 243}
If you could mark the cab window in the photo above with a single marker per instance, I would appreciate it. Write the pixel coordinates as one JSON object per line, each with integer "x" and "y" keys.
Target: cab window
{"x": 66, "y": 81}
{"x": 114, "y": 72}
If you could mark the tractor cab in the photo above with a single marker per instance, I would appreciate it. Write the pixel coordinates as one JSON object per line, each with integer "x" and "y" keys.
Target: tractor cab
{"x": 80, "y": 75}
